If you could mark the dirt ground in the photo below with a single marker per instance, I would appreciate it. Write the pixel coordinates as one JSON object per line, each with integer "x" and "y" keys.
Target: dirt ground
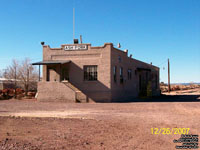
{"x": 33, "y": 125}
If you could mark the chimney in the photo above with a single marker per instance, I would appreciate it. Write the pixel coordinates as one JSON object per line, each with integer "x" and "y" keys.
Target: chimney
{"x": 75, "y": 41}
{"x": 131, "y": 55}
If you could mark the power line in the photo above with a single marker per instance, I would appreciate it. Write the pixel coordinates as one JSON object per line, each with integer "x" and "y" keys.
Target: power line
{"x": 163, "y": 63}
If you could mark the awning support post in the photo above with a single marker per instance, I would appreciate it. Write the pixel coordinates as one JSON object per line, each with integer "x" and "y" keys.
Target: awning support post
{"x": 39, "y": 74}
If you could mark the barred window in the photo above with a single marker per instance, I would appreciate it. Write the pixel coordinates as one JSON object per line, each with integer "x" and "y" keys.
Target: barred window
{"x": 129, "y": 74}
{"x": 121, "y": 75}
{"x": 115, "y": 73}
{"x": 156, "y": 81}
{"x": 90, "y": 73}
{"x": 119, "y": 58}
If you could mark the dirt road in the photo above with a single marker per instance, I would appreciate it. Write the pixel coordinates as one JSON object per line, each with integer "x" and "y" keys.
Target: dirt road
{"x": 28, "y": 124}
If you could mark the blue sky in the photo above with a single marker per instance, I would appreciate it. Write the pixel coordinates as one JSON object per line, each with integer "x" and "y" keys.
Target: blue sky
{"x": 152, "y": 30}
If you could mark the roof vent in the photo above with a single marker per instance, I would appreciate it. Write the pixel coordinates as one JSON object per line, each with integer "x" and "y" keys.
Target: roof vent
{"x": 75, "y": 41}
{"x": 119, "y": 45}
{"x": 126, "y": 51}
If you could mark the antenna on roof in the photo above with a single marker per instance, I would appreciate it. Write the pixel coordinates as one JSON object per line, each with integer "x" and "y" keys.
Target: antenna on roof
{"x": 73, "y": 23}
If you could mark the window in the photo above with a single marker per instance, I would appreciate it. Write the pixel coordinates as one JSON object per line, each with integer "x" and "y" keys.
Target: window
{"x": 156, "y": 81}
{"x": 129, "y": 74}
{"x": 90, "y": 73}
{"x": 121, "y": 75}
{"x": 65, "y": 74}
{"x": 119, "y": 58}
{"x": 115, "y": 73}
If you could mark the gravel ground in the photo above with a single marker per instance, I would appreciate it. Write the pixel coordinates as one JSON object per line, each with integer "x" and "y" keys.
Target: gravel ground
{"x": 29, "y": 124}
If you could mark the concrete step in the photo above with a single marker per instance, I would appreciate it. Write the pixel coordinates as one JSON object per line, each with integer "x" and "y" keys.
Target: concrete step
{"x": 80, "y": 96}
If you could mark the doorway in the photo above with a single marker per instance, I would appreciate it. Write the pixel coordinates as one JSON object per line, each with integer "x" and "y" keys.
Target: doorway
{"x": 65, "y": 73}
{"x": 51, "y": 74}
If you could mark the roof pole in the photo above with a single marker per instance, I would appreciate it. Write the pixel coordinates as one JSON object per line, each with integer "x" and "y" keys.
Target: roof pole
{"x": 73, "y": 23}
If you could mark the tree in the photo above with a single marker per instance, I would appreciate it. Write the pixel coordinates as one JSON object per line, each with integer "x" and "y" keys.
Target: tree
{"x": 23, "y": 72}
{"x": 11, "y": 71}
{"x": 27, "y": 74}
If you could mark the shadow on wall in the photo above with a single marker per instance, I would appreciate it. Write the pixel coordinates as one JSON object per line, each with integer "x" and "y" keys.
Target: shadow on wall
{"x": 94, "y": 90}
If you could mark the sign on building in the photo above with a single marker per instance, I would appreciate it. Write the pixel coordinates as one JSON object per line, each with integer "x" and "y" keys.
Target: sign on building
{"x": 75, "y": 47}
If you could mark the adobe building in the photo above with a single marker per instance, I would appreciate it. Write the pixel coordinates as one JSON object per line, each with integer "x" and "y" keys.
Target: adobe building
{"x": 82, "y": 73}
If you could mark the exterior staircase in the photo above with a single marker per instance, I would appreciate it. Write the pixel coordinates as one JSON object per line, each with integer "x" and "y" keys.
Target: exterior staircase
{"x": 79, "y": 95}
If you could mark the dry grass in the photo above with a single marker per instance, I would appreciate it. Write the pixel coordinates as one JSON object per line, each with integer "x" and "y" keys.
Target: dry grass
{"x": 164, "y": 88}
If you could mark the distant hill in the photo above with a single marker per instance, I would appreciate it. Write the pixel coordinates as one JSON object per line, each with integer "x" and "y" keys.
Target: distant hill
{"x": 186, "y": 83}
{"x": 198, "y": 83}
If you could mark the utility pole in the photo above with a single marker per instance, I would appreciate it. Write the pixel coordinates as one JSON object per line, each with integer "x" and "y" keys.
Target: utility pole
{"x": 168, "y": 77}
{"x": 15, "y": 81}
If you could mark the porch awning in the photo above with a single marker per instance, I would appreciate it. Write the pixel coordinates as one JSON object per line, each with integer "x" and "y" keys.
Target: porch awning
{"x": 143, "y": 69}
{"x": 51, "y": 62}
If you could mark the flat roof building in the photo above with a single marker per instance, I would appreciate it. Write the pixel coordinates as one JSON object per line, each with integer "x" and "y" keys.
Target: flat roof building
{"x": 82, "y": 73}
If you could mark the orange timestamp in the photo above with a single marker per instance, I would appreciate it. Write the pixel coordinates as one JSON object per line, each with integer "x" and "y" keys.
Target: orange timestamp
{"x": 169, "y": 131}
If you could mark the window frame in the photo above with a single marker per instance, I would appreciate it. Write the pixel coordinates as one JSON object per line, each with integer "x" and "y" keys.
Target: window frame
{"x": 90, "y": 72}
{"x": 156, "y": 81}
{"x": 115, "y": 74}
{"x": 129, "y": 74}
{"x": 121, "y": 75}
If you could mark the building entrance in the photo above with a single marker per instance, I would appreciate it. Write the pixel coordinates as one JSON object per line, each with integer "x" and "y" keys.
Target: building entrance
{"x": 64, "y": 73}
